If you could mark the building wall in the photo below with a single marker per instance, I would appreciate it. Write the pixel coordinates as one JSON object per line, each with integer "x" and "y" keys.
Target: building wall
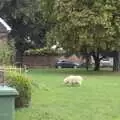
{"x": 3, "y": 38}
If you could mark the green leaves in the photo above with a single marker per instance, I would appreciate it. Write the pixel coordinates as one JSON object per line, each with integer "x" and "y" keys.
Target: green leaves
{"x": 90, "y": 23}
{"x": 23, "y": 85}
{"x": 7, "y": 52}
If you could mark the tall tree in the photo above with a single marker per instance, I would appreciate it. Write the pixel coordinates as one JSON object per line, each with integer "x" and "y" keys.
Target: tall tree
{"x": 26, "y": 19}
{"x": 86, "y": 25}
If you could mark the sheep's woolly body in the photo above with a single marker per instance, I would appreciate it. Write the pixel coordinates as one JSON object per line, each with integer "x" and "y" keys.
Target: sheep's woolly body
{"x": 73, "y": 80}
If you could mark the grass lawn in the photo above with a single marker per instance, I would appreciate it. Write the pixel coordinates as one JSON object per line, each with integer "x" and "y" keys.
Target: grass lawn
{"x": 97, "y": 99}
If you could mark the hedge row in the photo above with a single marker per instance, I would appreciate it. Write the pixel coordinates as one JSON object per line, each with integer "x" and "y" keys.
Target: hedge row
{"x": 42, "y": 51}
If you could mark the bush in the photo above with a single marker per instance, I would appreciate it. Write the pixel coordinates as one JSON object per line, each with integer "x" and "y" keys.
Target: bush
{"x": 7, "y": 53}
{"x": 22, "y": 85}
{"x": 42, "y": 51}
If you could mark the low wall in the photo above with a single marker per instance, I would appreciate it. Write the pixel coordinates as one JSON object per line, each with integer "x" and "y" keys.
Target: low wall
{"x": 40, "y": 61}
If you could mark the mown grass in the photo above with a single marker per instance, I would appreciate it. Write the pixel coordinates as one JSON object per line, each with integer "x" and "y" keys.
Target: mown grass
{"x": 97, "y": 99}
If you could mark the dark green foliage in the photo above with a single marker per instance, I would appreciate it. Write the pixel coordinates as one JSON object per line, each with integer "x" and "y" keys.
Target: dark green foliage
{"x": 28, "y": 23}
{"x": 23, "y": 86}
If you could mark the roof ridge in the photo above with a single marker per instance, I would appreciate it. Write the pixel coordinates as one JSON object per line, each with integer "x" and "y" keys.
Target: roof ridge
{"x": 8, "y": 28}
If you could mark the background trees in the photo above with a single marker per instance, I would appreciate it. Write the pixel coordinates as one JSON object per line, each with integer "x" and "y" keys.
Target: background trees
{"x": 28, "y": 23}
{"x": 91, "y": 26}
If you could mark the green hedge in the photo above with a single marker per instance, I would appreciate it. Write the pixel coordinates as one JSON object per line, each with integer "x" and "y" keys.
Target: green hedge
{"x": 42, "y": 51}
{"x": 22, "y": 85}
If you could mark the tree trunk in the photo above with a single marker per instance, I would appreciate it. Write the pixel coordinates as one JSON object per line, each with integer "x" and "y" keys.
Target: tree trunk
{"x": 87, "y": 62}
{"x": 19, "y": 58}
{"x": 116, "y": 62}
{"x": 97, "y": 61}
{"x": 97, "y": 64}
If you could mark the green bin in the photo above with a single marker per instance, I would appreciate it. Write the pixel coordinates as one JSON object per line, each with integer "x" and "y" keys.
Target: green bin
{"x": 7, "y": 103}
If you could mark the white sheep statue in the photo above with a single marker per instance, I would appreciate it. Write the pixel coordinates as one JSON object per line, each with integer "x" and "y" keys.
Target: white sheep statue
{"x": 73, "y": 80}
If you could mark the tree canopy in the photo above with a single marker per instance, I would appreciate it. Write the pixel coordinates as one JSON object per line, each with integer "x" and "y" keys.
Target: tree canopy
{"x": 87, "y": 25}
{"x": 90, "y": 26}
{"x": 28, "y": 22}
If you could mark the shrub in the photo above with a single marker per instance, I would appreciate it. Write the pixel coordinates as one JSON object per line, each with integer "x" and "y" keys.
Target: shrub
{"x": 7, "y": 53}
{"x": 22, "y": 85}
{"x": 42, "y": 51}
